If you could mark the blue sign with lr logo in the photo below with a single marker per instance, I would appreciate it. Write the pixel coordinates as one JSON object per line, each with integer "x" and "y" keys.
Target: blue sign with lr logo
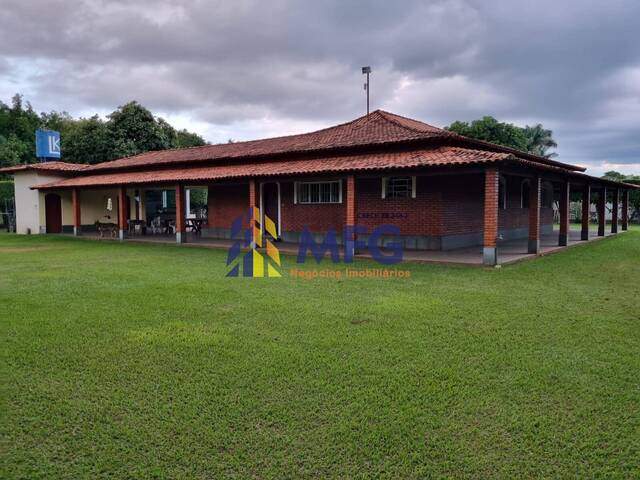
{"x": 47, "y": 144}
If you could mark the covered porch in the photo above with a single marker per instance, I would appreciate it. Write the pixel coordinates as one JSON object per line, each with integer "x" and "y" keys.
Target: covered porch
{"x": 535, "y": 235}
{"x": 510, "y": 251}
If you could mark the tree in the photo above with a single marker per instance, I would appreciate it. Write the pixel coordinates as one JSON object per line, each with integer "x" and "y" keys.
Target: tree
{"x": 129, "y": 130}
{"x": 133, "y": 130}
{"x": 18, "y": 124}
{"x": 539, "y": 141}
{"x": 185, "y": 138}
{"x": 59, "y": 121}
{"x": 198, "y": 198}
{"x": 490, "y": 130}
{"x": 180, "y": 138}
{"x": 613, "y": 175}
{"x": 88, "y": 141}
{"x": 634, "y": 195}
{"x": 12, "y": 150}
{"x": 535, "y": 140}
{"x": 634, "y": 198}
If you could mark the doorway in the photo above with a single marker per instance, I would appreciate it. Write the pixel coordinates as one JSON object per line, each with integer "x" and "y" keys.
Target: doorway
{"x": 53, "y": 213}
{"x": 270, "y": 203}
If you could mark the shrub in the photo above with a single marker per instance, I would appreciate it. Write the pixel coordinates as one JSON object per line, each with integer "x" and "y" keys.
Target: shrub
{"x": 6, "y": 193}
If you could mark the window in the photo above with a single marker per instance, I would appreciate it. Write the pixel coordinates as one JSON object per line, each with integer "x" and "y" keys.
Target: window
{"x": 399, "y": 187}
{"x": 318, "y": 192}
{"x": 502, "y": 193}
{"x": 168, "y": 199}
{"x": 525, "y": 193}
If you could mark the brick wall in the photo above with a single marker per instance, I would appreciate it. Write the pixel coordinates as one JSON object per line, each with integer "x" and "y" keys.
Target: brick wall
{"x": 318, "y": 218}
{"x": 414, "y": 216}
{"x": 462, "y": 206}
{"x": 226, "y": 203}
{"x": 491, "y": 195}
{"x": 444, "y": 205}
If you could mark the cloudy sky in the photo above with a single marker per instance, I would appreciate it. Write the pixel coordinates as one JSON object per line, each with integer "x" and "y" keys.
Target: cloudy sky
{"x": 246, "y": 69}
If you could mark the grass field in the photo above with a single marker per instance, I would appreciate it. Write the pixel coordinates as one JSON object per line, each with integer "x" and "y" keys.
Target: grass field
{"x": 144, "y": 361}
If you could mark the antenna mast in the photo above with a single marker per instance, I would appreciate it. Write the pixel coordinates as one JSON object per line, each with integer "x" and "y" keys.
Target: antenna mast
{"x": 366, "y": 71}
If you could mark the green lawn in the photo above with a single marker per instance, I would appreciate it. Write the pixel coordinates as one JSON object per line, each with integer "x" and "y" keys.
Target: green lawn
{"x": 144, "y": 361}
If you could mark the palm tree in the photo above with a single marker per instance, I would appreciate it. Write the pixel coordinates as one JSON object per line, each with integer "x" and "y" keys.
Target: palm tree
{"x": 540, "y": 140}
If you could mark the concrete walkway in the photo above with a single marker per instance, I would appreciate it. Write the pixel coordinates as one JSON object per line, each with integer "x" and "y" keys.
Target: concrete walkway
{"x": 508, "y": 251}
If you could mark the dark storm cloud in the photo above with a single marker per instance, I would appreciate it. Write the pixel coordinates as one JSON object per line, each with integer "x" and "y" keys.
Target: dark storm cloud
{"x": 572, "y": 65}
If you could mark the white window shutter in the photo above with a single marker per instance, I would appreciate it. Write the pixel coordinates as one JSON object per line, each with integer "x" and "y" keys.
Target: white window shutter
{"x": 384, "y": 187}
{"x": 295, "y": 193}
{"x": 413, "y": 187}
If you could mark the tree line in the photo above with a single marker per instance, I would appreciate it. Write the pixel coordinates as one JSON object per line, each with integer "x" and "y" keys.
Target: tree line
{"x": 132, "y": 129}
{"x": 129, "y": 130}
{"x": 536, "y": 140}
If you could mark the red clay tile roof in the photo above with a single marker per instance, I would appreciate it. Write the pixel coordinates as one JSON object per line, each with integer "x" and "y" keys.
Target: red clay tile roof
{"x": 377, "y": 128}
{"x": 442, "y": 156}
{"x": 46, "y": 166}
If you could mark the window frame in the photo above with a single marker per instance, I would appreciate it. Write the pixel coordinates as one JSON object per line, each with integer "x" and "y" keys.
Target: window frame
{"x": 385, "y": 187}
{"x": 297, "y": 193}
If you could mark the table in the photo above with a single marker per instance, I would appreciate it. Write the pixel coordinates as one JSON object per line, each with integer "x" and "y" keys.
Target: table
{"x": 195, "y": 224}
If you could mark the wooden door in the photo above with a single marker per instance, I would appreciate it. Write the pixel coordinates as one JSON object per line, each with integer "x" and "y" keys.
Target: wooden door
{"x": 53, "y": 212}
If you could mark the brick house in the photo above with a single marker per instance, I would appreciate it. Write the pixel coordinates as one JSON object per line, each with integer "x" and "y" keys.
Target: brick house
{"x": 442, "y": 190}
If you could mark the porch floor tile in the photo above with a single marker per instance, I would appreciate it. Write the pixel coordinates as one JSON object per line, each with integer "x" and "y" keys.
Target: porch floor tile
{"x": 509, "y": 251}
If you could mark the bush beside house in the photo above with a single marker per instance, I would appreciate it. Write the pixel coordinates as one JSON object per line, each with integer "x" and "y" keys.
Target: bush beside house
{"x": 6, "y": 196}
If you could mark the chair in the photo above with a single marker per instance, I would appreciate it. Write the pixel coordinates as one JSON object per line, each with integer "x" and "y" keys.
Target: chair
{"x": 136, "y": 227}
{"x": 156, "y": 226}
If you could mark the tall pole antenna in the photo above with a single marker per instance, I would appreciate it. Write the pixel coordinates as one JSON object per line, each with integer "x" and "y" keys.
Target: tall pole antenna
{"x": 366, "y": 71}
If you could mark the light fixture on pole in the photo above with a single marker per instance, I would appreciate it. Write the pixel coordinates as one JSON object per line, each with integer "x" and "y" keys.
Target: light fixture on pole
{"x": 366, "y": 71}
